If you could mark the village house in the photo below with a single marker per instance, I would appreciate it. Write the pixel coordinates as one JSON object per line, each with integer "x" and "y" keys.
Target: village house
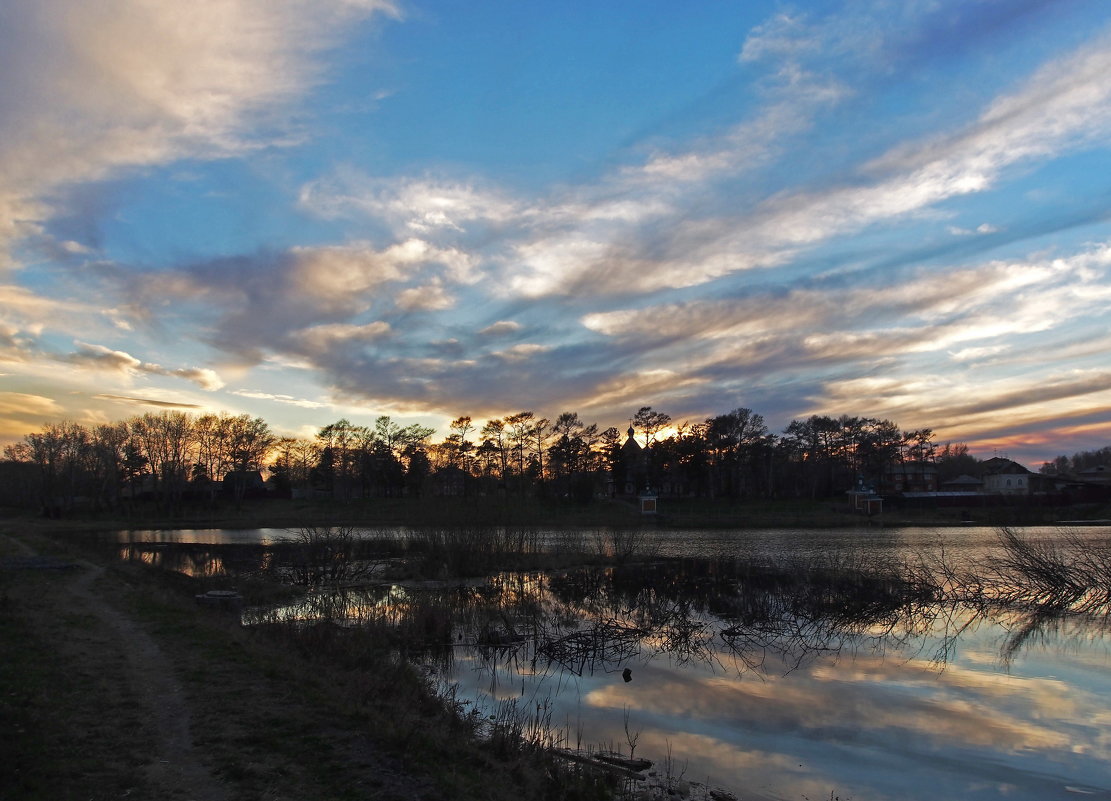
{"x": 904, "y": 477}
{"x": 1100, "y": 474}
{"x": 1003, "y": 476}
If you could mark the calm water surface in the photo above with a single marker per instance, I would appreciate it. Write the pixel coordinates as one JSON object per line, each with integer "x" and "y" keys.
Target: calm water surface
{"x": 923, "y": 703}
{"x": 709, "y": 543}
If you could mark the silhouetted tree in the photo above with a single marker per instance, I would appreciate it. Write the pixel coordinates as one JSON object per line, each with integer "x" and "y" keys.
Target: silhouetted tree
{"x": 650, "y": 423}
{"x": 955, "y": 461}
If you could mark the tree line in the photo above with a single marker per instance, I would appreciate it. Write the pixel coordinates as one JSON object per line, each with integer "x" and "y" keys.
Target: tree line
{"x": 1078, "y": 462}
{"x": 171, "y": 457}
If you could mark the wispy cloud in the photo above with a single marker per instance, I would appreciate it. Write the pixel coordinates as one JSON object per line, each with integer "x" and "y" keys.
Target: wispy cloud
{"x": 92, "y": 88}
{"x": 411, "y": 206}
{"x": 158, "y": 404}
{"x": 99, "y": 357}
{"x": 26, "y": 405}
{"x": 500, "y": 328}
{"x": 304, "y": 403}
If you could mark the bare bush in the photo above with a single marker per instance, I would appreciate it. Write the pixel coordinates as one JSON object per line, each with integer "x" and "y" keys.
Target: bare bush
{"x": 455, "y": 551}
{"x": 330, "y": 554}
{"x": 1066, "y": 574}
{"x": 623, "y": 544}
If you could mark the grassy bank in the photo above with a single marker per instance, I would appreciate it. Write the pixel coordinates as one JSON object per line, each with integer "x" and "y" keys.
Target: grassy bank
{"x": 269, "y": 716}
{"x": 554, "y": 513}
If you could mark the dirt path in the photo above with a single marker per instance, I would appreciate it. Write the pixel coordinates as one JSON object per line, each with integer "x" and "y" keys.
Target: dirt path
{"x": 175, "y": 766}
{"x": 175, "y": 769}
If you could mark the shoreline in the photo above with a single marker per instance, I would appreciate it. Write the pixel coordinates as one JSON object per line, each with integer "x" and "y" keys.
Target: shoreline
{"x": 461, "y": 512}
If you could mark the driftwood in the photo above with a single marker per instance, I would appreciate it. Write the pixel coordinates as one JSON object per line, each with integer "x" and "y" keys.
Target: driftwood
{"x": 626, "y": 767}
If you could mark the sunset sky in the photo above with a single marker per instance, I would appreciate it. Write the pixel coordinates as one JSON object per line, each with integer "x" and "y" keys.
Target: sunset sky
{"x": 314, "y": 209}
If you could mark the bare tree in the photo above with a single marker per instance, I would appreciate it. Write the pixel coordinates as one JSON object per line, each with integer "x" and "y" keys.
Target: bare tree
{"x": 165, "y": 440}
{"x": 650, "y": 423}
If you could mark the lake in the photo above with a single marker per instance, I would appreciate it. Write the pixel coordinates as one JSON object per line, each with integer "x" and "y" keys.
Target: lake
{"x": 765, "y": 684}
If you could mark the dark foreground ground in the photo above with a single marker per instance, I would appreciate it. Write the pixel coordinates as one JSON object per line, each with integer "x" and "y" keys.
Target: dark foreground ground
{"x": 115, "y": 684}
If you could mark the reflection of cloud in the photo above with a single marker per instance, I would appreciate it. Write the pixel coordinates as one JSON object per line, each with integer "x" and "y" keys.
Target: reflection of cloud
{"x": 872, "y": 701}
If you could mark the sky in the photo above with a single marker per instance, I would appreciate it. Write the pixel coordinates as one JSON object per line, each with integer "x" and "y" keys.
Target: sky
{"x": 309, "y": 210}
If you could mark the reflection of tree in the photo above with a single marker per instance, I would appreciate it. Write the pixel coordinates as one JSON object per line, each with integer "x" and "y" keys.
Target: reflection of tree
{"x": 798, "y": 613}
{"x": 1038, "y": 589}
{"x": 196, "y": 559}
{"x": 1034, "y": 627}
{"x": 599, "y": 618}
{"x": 681, "y": 608}
{"x": 1066, "y": 574}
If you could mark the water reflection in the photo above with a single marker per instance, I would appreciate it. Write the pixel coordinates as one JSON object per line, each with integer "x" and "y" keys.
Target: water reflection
{"x": 857, "y": 674}
{"x": 201, "y": 560}
{"x": 874, "y": 685}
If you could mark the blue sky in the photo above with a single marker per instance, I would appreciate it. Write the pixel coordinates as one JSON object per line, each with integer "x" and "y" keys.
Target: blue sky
{"x": 347, "y": 208}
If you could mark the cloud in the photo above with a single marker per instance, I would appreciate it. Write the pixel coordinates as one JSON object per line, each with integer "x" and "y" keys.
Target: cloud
{"x": 982, "y": 228}
{"x": 99, "y": 356}
{"x": 421, "y": 206}
{"x": 923, "y": 330}
{"x": 522, "y": 352}
{"x": 342, "y": 279}
{"x": 161, "y": 404}
{"x": 25, "y": 405}
{"x": 304, "y": 403}
{"x": 321, "y": 338}
{"x": 793, "y": 250}
{"x": 21, "y": 412}
{"x": 293, "y": 304}
{"x": 92, "y": 88}
{"x": 203, "y": 377}
{"x": 978, "y": 354}
{"x": 500, "y": 328}
{"x": 1063, "y": 106}
{"x": 948, "y": 305}
{"x": 104, "y": 358}
{"x": 14, "y": 346}
{"x": 32, "y": 312}
{"x": 338, "y": 277}
{"x": 424, "y": 298}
